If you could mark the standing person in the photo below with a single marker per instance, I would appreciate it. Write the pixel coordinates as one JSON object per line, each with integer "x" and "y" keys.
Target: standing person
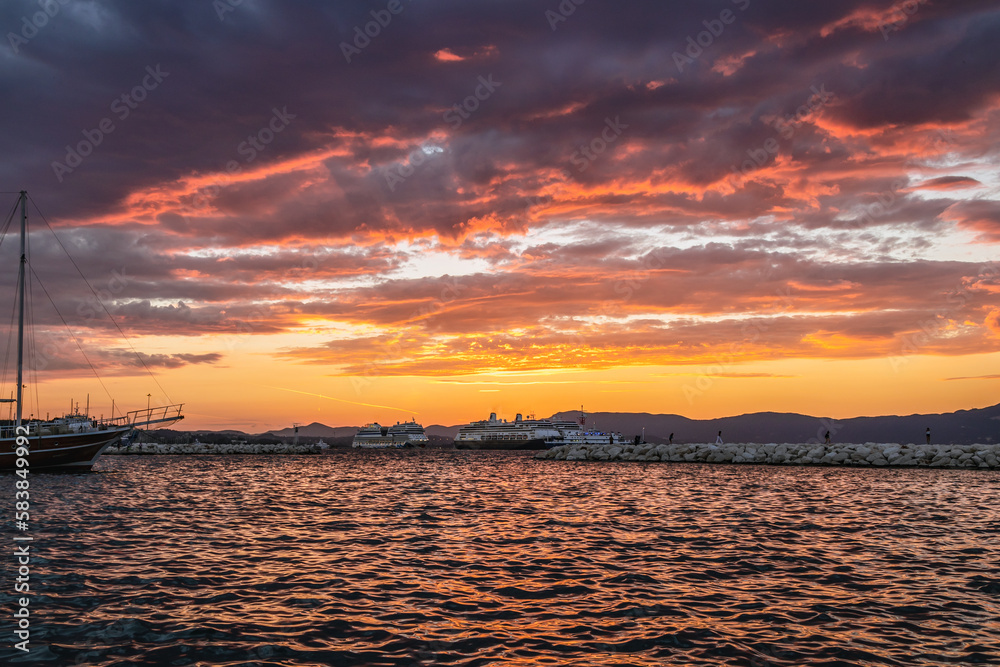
{"x": 928, "y": 435}
{"x": 718, "y": 438}
{"x": 828, "y": 437}
{"x": 671, "y": 439}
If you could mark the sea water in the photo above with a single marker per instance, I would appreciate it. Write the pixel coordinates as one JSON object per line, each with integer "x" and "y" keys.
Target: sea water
{"x": 493, "y": 558}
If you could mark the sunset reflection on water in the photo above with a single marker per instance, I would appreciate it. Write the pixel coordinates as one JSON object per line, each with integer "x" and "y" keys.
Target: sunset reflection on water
{"x": 490, "y": 558}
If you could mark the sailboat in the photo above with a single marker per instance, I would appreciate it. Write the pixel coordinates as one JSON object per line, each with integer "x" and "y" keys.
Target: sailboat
{"x": 74, "y": 441}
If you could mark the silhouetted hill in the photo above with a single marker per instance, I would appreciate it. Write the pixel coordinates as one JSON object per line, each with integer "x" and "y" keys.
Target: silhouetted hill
{"x": 317, "y": 430}
{"x": 962, "y": 427}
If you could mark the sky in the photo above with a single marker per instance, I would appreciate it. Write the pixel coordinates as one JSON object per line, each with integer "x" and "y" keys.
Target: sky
{"x": 345, "y": 212}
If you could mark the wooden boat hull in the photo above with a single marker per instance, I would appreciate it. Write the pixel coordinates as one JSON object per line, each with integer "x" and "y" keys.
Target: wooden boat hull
{"x": 68, "y": 451}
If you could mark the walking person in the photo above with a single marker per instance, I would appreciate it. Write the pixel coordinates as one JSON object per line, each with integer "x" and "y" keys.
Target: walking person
{"x": 718, "y": 438}
{"x": 671, "y": 439}
{"x": 928, "y": 435}
{"x": 828, "y": 437}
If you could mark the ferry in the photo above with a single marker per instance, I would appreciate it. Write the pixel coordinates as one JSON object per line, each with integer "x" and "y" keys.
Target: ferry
{"x": 531, "y": 434}
{"x": 376, "y": 436}
{"x": 496, "y": 433}
{"x": 575, "y": 433}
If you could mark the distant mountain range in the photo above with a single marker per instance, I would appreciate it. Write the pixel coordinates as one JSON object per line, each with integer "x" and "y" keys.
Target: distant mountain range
{"x": 960, "y": 428}
{"x": 316, "y": 430}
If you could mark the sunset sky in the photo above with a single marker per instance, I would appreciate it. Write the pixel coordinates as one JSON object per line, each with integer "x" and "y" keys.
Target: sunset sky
{"x": 701, "y": 208}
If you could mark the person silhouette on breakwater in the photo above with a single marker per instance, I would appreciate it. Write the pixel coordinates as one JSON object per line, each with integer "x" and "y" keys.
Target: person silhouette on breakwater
{"x": 671, "y": 441}
{"x": 718, "y": 438}
{"x": 928, "y": 435}
{"x": 828, "y": 437}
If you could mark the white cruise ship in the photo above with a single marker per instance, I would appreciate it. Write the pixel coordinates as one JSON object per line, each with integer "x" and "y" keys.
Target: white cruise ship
{"x": 496, "y": 433}
{"x": 523, "y": 433}
{"x": 376, "y": 436}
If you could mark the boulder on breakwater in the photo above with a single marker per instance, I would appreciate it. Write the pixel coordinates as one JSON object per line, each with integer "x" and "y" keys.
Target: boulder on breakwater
{"x": 152, "y": 448}
{"x": 867, "y": 454}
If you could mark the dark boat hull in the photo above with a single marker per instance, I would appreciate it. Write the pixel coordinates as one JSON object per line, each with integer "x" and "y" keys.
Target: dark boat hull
{"x": 69, "y": 451}
{"x": 536, "y": 444}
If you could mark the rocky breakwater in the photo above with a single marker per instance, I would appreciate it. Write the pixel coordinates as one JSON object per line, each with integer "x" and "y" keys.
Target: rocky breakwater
{"x": 152, "y": 448}
{"x": 868, "y": 454}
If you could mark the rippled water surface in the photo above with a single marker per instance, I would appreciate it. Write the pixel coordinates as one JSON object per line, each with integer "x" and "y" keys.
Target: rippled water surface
{"x": 493, "y": 558}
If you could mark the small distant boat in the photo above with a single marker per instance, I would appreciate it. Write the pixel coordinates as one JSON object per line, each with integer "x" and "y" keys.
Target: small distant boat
{"x": 73, "y": 441}
{"x": 402, "y": 434}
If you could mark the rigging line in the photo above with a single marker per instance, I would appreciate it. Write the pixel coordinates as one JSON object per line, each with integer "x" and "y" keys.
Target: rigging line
{"x": 72, "y": 335}
{"x": 6, "y": 226}
{"x": 105, "y": 308}
{"x": 10, "y": 341}
{"x": 13, "y": 304}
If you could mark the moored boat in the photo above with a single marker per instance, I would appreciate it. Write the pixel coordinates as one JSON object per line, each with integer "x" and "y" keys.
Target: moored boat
{"x": 76, "y": 440}
{"x": 496, "y": 433}
{"x": 531, "y": 434}
{"x": 399, "y": 436}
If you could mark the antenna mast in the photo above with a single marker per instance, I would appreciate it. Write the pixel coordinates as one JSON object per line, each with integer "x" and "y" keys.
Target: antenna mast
{"x": 20, "y": 316}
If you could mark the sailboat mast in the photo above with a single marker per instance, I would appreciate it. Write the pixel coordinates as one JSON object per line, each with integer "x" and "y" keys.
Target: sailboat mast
{"x": 20, "y": 315}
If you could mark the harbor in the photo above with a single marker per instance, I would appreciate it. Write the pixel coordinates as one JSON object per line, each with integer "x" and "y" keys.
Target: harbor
{"x": 305, "y": 301}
